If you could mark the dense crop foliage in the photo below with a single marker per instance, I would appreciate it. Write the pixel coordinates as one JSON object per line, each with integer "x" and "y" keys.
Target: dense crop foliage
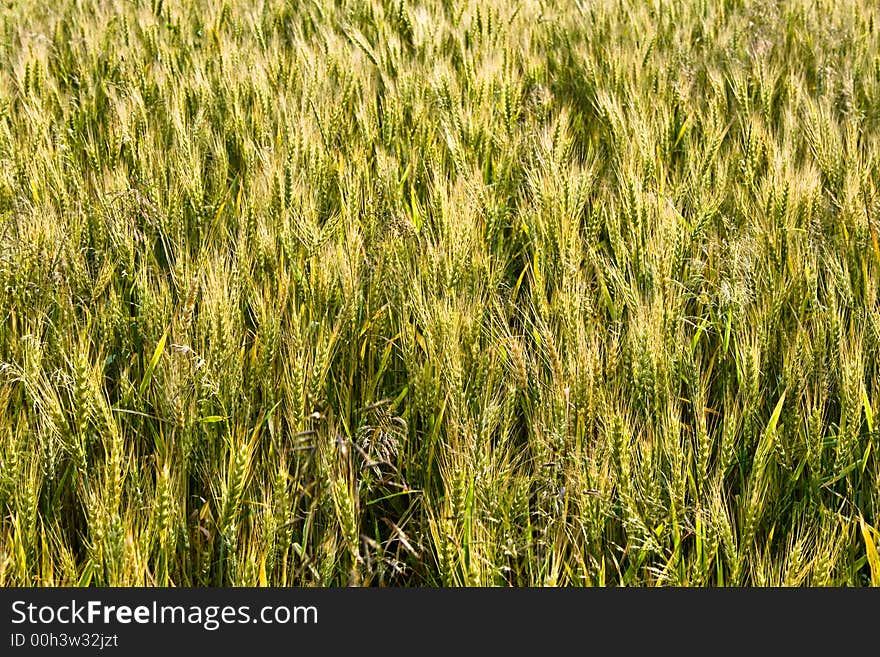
{"x": 439, "y": 293}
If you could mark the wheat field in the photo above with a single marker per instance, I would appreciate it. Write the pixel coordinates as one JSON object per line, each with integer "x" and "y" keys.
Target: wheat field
{"x": 439, "y": 293}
